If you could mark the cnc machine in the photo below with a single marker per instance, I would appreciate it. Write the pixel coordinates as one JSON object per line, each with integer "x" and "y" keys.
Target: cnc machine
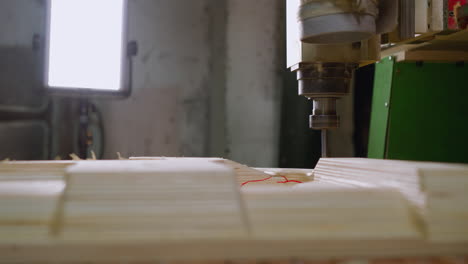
{"x": 326, "y": 41}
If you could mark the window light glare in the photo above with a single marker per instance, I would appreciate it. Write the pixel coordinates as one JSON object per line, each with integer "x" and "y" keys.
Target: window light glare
{"x": 85, "y": 44}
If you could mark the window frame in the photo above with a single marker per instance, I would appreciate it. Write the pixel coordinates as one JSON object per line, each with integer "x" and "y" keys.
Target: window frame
{"x": 126, "y": 64}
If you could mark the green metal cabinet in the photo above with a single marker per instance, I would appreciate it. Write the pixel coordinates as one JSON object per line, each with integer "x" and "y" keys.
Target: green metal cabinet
{"x": 419, "y": 111}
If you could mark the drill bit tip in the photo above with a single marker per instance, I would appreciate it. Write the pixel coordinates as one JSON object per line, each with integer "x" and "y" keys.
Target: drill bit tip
{"x": 324, "y": 144}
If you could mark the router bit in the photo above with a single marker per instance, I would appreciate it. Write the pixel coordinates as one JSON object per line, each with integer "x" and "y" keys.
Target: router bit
{"x": 324, "y": 84}
{"x": 324, "y": 144}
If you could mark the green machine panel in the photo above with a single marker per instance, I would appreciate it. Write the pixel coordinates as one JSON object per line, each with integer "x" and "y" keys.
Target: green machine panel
{"x": 420, "y": 112}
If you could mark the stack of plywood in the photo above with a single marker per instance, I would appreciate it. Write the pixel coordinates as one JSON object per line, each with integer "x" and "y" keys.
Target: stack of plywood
{"x": 439, "y": 191}
{"x": 324, "y": 212}
{"x": 159, "y": 200}
{"x": 372, "y": 173}
{"x": 170, "y": 199}
{"x": 29, "y": 195}
{"x": 447, "y": 202}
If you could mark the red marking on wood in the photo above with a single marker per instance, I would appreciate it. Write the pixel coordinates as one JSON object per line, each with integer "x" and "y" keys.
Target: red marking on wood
{"x": 244, "y": 183}
{"x": 286, "y": 180}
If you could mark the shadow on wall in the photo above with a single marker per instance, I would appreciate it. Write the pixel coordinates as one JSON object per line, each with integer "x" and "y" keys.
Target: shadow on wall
{"x": 21, "y": 88}
{"x": 24, "y": 131}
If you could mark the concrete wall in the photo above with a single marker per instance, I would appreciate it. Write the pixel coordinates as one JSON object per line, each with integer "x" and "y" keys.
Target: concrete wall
{"x": 24, "y": 132}
{"x": 255, "y": 63}
{"x": 20, "y": 64}
{"x": 16, "y": 29}
{"x": 206, "y": 82}
{"x": 167, "y": 113}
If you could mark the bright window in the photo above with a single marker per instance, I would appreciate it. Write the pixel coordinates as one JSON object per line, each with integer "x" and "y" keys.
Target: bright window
{"x": 86, "y": 42}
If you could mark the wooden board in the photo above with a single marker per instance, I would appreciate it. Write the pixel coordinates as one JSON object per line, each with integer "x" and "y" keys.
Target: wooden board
{"x": 162, "y": 199}
{"x": 438, "y": 191}
{"x": 228, "y": 250}
{"x": 29, "y": 194}
{"x": 437, "y": 46}
{"x": 214, "y": 209}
